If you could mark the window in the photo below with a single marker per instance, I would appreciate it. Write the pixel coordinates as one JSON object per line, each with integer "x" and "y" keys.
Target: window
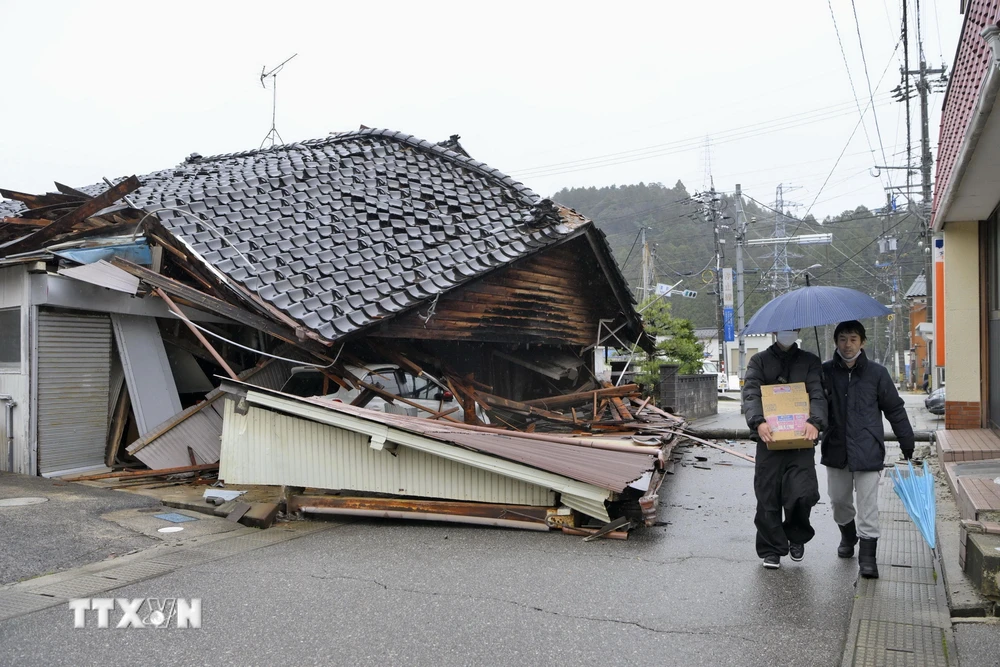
{"x": 10, "y": 338}
{"x": 386, "y": 377}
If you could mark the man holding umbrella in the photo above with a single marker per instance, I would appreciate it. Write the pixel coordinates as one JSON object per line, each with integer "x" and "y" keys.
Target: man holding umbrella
{"x": 860, "y": 391}
{"x": 784, "y": 480}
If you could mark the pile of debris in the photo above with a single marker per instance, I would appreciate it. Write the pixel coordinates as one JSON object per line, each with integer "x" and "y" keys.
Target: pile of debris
{"x": 371, "y": 315}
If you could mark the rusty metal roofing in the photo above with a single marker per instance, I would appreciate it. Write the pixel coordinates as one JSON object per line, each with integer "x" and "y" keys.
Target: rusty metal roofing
{"x": 605, "y": 469}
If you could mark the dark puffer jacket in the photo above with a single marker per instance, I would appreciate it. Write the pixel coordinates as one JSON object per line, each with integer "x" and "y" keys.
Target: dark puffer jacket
{"x": 777, "y": 366}
{"x": 858, "y": 397}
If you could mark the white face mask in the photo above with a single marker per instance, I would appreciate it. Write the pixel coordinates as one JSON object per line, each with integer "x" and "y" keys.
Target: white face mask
{"x": 849, "y": 359}
{"x": 787, "y": 338}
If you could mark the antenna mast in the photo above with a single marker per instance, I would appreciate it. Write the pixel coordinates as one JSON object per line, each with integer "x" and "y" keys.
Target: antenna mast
{"x": 273, "y": 132}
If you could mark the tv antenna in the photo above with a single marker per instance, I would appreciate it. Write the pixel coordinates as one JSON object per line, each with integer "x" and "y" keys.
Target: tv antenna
{"x": 273, "y": 133}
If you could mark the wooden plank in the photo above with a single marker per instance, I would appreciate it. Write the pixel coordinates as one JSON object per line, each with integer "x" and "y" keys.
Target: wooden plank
{"x": 72, "y": 192}
{"x": 516, "y": 406}
{"x": 209, "y": 303}
{"x": 197, "y": 334}
{"x": 25, "y": 222}
{"x": 621, "y": 409}
{"x": 239, "y": 509}
{"x": 36, "y": 201}
{"x": 528, "y": 513}
{"x": 118, "y": 423}
{"x": 144, "y": 473}
{"x": 81, "y": 213}
{"x": 392, "y": 397}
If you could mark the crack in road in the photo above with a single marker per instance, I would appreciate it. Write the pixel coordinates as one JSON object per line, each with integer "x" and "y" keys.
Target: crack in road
{"x": 531, "y": 607}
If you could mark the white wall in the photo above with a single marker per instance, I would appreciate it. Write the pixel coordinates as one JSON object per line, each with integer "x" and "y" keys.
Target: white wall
{"x": 961, "y": 311}
{"x": 14, "y": 381}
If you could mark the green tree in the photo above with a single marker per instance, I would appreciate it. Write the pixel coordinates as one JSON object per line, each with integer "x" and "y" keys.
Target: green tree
{"x": 675, "y": 343}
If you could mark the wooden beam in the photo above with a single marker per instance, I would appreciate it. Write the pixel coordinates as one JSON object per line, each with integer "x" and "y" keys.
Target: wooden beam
{"x": 36, "y": 201}
{"x": 26, "y": 222}
{"x": 143, "y": 473}
{"x": 210, "y": 303}
{"x": 516, "y": 406}
{"x": 392, "y": 397}
{"x": 81, "y": 213}
{"x": 527, "y": 513}
{"x": 566, "y": 400}
{"x": 197, "y": 334}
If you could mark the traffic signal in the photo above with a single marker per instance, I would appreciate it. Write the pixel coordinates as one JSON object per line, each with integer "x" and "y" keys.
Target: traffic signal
{"x": 689, "y": 293}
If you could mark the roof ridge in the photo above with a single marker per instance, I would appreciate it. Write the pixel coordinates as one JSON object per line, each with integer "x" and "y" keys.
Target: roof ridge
{"x": 530, "y": 197}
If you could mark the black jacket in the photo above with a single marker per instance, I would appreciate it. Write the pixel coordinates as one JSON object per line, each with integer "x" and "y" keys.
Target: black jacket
{"x": 777, "y": 366}
{"x": 858, "y": 397}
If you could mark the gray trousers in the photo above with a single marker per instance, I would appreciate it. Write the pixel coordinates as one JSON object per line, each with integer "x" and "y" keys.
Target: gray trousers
{"x": 842, "y": 486}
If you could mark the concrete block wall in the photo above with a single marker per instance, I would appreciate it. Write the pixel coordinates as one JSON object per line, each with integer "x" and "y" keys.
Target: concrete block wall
{"x": 691, "y": 396}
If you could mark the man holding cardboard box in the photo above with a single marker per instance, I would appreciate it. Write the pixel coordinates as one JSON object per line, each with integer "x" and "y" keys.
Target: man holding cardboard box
{"x": 853, "y": 450}
{"x": 784, "y": 403}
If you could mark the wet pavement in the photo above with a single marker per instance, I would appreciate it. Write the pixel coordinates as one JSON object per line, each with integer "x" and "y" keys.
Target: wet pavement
{"x": 63, "y": 532}
{"x": 688, "y": 593}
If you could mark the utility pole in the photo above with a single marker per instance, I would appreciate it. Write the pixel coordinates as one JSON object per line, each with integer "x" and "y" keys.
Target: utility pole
{"x": 721, "y": 328}
{"x": 741, "y": 234}
{"x": 924, "y": 87}
{"x": 647, "y": 281}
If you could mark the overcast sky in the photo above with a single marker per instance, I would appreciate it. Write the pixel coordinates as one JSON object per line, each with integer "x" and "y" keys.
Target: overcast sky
{"x": 553, "y": 93}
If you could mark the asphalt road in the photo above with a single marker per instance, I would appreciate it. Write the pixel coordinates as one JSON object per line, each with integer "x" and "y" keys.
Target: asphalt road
{"x": 64, "y": 532}
{"x": 374, "y": 593}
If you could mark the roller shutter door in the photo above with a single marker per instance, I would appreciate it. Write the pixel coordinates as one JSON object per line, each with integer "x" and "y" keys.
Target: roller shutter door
{"x": 74, "y": 369}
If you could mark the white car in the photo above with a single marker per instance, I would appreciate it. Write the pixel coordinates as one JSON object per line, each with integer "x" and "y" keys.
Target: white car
{"x": 709, "y": 368}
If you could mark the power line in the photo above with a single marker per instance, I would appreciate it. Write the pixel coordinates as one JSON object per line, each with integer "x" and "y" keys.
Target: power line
{"x": 848, "y": 68}
{"x": 860, "y": 120}
{"x": 871, "y": 96}
{"x": 679, "y": 146}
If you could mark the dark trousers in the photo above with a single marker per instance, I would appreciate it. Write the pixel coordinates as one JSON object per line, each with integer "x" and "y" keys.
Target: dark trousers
{"x": 784, "y": 481}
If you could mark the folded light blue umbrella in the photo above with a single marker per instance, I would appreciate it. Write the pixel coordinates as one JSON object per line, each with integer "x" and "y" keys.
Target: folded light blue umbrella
{"x": 917, "y": 493}
{"x": 813, "y": 307}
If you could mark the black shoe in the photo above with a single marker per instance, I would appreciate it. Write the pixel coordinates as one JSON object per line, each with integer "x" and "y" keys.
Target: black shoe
{"x": 772, "y": 562}
{"x": 796, "y": 551}
{"x": 867, "y": 566}
{"x": 848, "y": 538}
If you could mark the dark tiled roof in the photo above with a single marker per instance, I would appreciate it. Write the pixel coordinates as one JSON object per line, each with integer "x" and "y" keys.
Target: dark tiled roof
{"x": 967, "y": 75}
{"x": 918, "y": 288}
{"x": 341, "y": 232}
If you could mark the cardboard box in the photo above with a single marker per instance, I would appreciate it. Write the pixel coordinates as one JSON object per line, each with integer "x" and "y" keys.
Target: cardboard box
{"x": 786, "y": 408}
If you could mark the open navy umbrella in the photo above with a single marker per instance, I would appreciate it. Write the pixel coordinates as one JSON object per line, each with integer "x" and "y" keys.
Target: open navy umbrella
{"x": 813, "y": 307}
{"x": 917, "y": 493}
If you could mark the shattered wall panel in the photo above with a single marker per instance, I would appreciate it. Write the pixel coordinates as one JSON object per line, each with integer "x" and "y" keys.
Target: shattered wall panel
{"x": 147, "y": 370}
{"x": 264, "y": 447}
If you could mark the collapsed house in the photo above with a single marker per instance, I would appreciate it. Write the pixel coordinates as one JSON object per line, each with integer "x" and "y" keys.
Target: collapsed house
{"x": 369, "y": 268}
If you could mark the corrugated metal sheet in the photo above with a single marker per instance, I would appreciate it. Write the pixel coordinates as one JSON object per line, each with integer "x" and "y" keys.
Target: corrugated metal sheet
{"x": 264, "y": 447}
{"x": 104, "y": 275}
{"x": 594, "y": 508}
{"x": 199, "y": 427}
{"x": 74, "y": 367}
{"x": 606, "y": 469}
{"x": 379, "y": 431}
